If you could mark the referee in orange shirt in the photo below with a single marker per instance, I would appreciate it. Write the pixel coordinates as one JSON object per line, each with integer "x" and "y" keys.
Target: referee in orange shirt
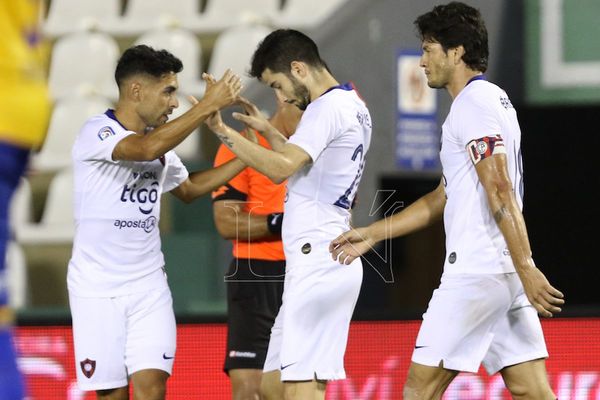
{"x": 248, "y": 210}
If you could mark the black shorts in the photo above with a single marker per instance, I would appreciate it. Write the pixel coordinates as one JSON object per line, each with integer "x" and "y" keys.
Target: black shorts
{"x": 254, "y": 291}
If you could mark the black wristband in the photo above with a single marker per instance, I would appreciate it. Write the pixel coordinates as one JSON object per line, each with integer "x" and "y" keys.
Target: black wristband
{"x": 274, "y": 222}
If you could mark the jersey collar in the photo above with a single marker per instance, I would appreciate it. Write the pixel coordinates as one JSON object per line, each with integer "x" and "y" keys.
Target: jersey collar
{"x": 346, "y": 86}
{"x": 110, "y": 113}
{"x": 477, "y": 78}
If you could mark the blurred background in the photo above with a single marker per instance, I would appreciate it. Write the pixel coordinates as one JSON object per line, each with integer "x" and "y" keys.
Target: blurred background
{"x": 544, "y": 53}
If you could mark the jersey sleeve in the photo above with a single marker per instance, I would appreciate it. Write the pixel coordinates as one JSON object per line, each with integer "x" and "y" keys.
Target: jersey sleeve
{"x": 237, "y": 187}
{"x": 316, "y": 129}
{"x": 480, "y": 131}
{"x": 478, "y": 119}
{"x": 100, "y": 140}
{"x": 176, "y": 173}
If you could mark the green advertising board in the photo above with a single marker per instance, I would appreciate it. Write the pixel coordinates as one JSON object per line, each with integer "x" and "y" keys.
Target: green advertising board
{"x": 562, "y": 59}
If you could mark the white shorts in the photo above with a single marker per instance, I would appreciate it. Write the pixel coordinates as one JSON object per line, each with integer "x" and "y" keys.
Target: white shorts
{"x": 479, "y": 318}
{"x": 115, "y": 337}
{"x": 309, "y": 337}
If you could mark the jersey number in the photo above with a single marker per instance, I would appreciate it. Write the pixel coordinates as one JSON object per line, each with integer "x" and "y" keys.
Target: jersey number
{"x": 344, "y": 200}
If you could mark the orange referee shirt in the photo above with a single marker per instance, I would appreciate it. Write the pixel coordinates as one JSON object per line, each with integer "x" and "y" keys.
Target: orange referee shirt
{"x": 262, "y": 197}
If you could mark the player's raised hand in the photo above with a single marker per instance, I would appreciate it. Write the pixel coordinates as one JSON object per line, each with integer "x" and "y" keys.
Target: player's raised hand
{"x": 253, "y": 118}
{"x": 223, "y": 92}
{"x": 250, "y": 134}
{"x": 209, "y": 79}
{"x": 215, "y": 122}
{"x": 544, "y": 297}
{"x": 351, "y": 245}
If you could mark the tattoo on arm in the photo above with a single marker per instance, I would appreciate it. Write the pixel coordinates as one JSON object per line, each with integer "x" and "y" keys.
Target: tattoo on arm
{"x": 226, "y": 140}
{"x": 500, "y": 214}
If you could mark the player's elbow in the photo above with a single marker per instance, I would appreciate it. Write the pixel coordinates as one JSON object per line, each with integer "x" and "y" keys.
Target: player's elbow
{"x": 186, "y": 198}
{"x": 277, "y": 178}
{"x": 281, "y": 172}
{"x": 225, "y": 231}
{"x": 149, "y": 151}
{"x": 225, "y": 228}
{"x": 503, "y": 188}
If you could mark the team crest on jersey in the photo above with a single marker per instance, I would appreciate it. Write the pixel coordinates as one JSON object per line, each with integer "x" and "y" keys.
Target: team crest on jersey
{"x": 105, "y": 132}
{"x": 505, "y": 101}
{"x": 480, "y": 149}
{"x": 88, "y": 367}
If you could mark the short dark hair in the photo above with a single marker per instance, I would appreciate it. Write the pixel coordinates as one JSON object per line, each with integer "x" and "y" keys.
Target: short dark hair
{"x": 142, "y": 59}
{"x": 456, "y": 24}
{"x": 277, "y": 51}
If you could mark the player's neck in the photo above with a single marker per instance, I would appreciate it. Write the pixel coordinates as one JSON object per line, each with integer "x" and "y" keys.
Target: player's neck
{"x": 129, "y": 118}
{"x": 460, "y": 79}
{"x": 323, "y": 81}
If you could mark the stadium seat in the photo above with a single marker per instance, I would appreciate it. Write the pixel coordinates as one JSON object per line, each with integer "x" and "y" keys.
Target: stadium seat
{"x": 234, "y": 48}
{"x": 57, "y": 225}
{"x": 83, "y": 64}
{"x": 306, "y": 14}
{"x": 16, "y": 276}
{"x": 145, "y": 15}
{"x": 184, "y": 45}
{"x": 21, "y": 206}
{"x": 68, "y": 16}
{"x": 219, "y": 15}
{"x": 68, "y": 116}
{"x": 189, "y": 149}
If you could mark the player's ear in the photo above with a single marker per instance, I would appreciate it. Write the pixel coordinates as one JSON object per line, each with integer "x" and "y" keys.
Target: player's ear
{"x": 457, "y": 54}
{"x": 134, "y": 89}
{"x": 299, "y": 69}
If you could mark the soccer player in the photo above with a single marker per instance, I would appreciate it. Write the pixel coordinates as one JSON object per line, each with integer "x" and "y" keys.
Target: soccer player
{"x": 25, "y": 109}
{"x": 485, "y": 307}
{"x": 324, "y": 161}
{"x": 123, "y": 321}
{"x": 248, "y": 210}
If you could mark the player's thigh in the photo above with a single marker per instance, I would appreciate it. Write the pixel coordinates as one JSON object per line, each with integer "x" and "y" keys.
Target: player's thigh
{"x": 518, "y": 335}
{"x": 99, "y": 337}
{"x": 319, "y": 300}
{"x": 528, "y": 380}
{"x": 457, "y": 328}
{"x": 151, "y": 333}
{"x": 425, "y": 382}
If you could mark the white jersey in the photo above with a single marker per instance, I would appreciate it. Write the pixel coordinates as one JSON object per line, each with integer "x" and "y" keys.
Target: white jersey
{"x": 117, "y": 248}
{"x": 474, "y": 243}
{"x": 335, "y": 130}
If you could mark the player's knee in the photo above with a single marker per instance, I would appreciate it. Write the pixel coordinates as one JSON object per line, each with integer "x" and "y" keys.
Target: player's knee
{"x": 113, "y": 394}
{"x": 429, "y": 385}
{"x": 270, "y": 391}
{"x": 151, "y": 391}
{"x": 416, "y": 388}
{"x": 532, "y": 390}
{"x": 246, "y": 389}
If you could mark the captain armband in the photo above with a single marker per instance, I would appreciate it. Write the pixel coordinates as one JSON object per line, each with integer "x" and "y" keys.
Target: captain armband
{"x": 480, "y": 149}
